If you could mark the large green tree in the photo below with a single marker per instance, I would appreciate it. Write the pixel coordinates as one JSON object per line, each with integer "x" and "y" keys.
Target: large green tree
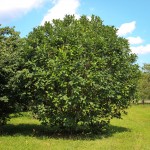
{"x": 78, "y": 73}
{"x": 9, "y": 46}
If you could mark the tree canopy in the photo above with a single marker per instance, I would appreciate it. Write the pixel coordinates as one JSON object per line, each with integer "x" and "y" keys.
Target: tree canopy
{"x": 144, "y": 83}
{"x": 74, "y": 74}
{"x": 77, "y": 73}
{"x": 9, "y": 46}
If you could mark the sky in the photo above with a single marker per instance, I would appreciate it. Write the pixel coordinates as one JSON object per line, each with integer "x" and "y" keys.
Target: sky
{"x": 130, "y": 17}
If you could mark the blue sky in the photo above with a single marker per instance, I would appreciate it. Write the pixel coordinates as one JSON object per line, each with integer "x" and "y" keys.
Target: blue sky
{"x": 131, "y": 17}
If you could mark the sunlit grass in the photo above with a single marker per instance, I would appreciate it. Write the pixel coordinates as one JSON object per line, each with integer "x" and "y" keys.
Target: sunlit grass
{"x": 130, "y": 133}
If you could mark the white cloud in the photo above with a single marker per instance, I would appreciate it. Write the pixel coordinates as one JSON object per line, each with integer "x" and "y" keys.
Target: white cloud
{"x": 143, "y": 49}
{"x": 126, "y": 28}
{"x": 61, "y": 8}
{"x": 10, "y": 9}
{"x": 135, "y": 40}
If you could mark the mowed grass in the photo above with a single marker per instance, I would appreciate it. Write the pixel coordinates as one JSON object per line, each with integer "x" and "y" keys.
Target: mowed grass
{"x": 130, "y": 133}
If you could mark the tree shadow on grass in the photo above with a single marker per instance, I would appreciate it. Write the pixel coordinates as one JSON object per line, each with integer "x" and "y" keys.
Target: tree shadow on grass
{"x": 41, "y": 132}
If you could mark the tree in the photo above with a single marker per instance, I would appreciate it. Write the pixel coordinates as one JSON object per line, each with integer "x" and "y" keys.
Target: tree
{"x": 78, "y": 73}
{"x": 9, "y": 45}
{"x": 144, "y": 83}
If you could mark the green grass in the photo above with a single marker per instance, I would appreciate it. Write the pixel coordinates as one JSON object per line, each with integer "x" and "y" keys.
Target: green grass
{"x": 130, "y": 133}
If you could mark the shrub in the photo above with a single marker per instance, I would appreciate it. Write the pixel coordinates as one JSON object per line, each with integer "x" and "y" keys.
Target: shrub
{"x": 9, "y": 54}
{"x": 78, "y": 73}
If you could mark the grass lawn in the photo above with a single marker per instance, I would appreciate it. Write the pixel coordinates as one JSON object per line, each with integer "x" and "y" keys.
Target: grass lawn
{"x": 130, "y": 133}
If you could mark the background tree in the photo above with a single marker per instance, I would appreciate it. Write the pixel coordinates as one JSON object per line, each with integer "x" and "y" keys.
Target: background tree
{"x": 78, "y": 73}
{"x": 9, "y": 45}
{"x": 144, "y": 83}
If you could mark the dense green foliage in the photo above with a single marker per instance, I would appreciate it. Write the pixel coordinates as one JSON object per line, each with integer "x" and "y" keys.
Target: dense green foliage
{"x": 78, "y": 74}
{"x": 144, "y": 83}
{"x": 9, "y": 56}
